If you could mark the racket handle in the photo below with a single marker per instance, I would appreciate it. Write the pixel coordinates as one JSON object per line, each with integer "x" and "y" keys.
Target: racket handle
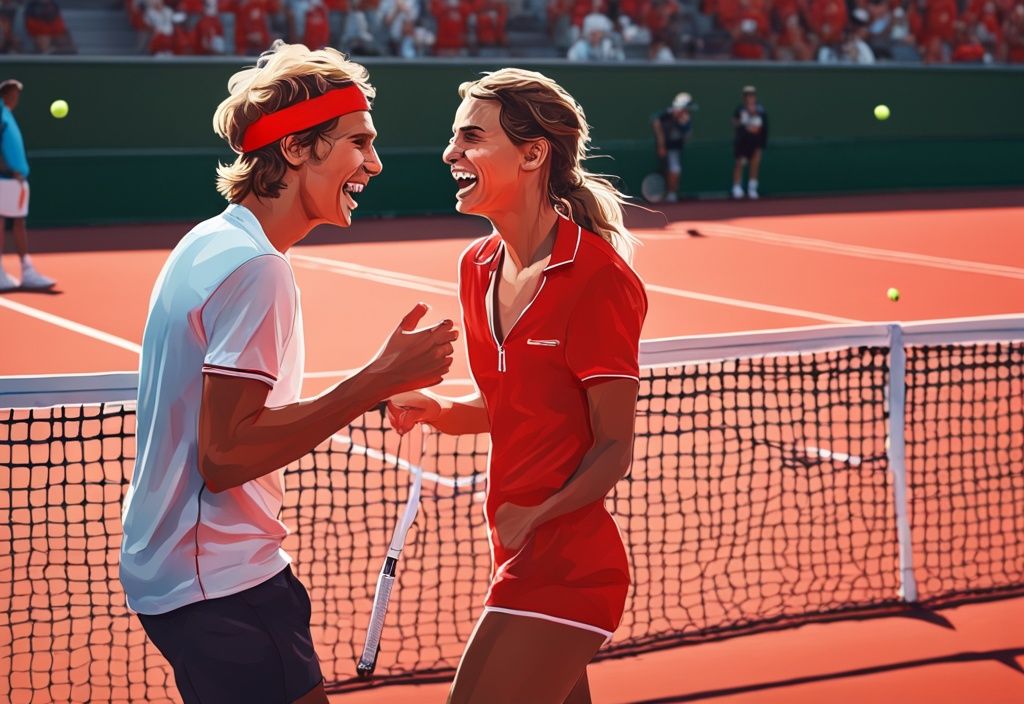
{"x": 368, "y": 661}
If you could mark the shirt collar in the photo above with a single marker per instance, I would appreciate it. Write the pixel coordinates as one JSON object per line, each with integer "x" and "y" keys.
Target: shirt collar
{"x": 567, "y": 243}
{"x": 244, "y": 218}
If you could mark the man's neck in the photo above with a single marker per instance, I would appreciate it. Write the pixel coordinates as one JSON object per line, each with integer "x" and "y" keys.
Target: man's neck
{"x": 283, "y": 219}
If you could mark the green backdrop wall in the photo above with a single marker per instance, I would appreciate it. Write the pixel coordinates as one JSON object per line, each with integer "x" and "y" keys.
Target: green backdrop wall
{"x": 138, "y": 145}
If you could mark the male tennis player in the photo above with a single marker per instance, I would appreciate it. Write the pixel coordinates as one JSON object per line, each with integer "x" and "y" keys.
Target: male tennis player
{"x": 552, "y": 311}
{"x": 14, "y": 191}
{"x": 221, "y": 370}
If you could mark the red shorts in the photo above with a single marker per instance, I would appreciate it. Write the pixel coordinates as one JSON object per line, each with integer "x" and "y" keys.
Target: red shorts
{"x": 572, "y": 570}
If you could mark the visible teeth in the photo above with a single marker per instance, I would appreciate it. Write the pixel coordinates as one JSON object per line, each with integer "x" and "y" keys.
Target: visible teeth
{"x": 354, "y": 187}
{"x": 463, "y": 175}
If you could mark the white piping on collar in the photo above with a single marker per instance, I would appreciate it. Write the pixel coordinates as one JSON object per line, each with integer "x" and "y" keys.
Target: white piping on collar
{"x": 579, "y": 236}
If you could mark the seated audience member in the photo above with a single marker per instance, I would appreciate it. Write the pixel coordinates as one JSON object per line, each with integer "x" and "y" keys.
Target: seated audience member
{"x": 660, "y": 52}
{"x": 967, "y": 48}
{"x": 317, "y": 26}
{"x": 1013, "y": 36}
{"x": 597, "y": 42}
{"x": 209, "y": 31}
{"x": 160, "y": 21}
{"x": 855, "y": 48}
{"x": 45, "y": 25}
{"x": 417, "y": 41}
{"x": 902, "y": 40}
{"x": 491, "y": 16}
{"x": 252, "y": 27}
{"x": 828, "y": 19}
{"x": 9, "y": 42}
{"x": 452, "y": 17}
{"x": 793, "y": 43}
{"x": 396, "y": 14}
{"x": 358, "y": 37}
{"x": 935, "y": 26}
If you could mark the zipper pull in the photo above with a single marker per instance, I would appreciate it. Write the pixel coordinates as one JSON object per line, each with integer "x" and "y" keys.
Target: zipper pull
{"x": 501, "y": 359}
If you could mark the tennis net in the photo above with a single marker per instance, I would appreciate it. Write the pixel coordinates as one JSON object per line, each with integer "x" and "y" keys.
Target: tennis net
{"x": 778, "y": 478}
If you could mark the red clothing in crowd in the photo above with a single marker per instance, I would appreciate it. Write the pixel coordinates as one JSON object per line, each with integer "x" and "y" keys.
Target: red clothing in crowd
{"x": 252, "y": 28}
{"x": 191, "y": 7}
{"x": 490, "y": 22}
{"x": 207, "y": 30}
{"x": 318, "y": 28}
{"x": 659, "y": 16}
{"x": 784, "y": 9}
{"x": 44, "y": 20}
{"x": 582, "y": 8}
{"x": 634, "y": 9}
{"x": 970, "y": 52}
{"x": 451, "y": 23}
{"x": 938, "y": 21}
{"x": 828, "y": 20}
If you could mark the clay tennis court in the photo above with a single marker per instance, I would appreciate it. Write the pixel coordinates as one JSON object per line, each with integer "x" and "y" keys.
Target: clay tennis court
{"x": 710, "y": 268}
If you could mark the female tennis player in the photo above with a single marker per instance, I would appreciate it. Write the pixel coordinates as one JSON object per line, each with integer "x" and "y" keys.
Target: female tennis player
{"x": 552, "y": 312}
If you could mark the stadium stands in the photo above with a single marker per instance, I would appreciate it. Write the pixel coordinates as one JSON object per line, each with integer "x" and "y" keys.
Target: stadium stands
{"x": 829, "y": 31}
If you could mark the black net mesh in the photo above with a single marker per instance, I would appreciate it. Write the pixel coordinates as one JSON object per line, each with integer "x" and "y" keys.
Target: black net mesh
{"x": 760, "y": 494}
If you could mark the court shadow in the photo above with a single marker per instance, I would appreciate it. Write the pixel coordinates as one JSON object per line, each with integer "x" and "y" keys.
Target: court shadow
{"x": 1006, "y": 656}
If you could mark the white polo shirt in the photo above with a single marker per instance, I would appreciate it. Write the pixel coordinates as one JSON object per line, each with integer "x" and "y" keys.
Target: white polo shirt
{"x": 224, "y": 303}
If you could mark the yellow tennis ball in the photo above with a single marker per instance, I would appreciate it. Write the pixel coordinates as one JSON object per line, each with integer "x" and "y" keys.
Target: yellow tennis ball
{"x": 59, "y": 109}
{"x": 882, "y": 112}
{"x": 893, "y": 294}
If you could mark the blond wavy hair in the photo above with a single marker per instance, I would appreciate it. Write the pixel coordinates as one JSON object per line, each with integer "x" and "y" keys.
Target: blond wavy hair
{"x": 283, "y": 75}
{"x": 534, "y": 107}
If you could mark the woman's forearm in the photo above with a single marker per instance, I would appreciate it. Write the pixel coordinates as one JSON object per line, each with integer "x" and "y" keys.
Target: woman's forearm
{"x": 599, "y": 471}
{"x": 464, "y": 415}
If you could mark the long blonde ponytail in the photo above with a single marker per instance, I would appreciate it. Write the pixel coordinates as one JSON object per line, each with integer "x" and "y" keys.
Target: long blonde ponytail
{"x": 534, "y": 106}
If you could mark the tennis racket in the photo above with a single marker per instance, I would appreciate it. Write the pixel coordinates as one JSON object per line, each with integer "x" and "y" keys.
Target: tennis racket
{"x": 652, "y": 188}
{"x": 386, "y": 580}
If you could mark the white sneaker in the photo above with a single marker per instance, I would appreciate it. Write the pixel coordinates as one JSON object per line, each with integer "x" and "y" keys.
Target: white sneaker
{"x": 737, "y": 191}
{"x": 7, "y": 282}
{"x": 752, "y": 192}
{"x": 30, "y": 278}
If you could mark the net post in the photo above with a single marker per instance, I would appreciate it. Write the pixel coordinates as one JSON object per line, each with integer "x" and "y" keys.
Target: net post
{"x": 897, "y": 451}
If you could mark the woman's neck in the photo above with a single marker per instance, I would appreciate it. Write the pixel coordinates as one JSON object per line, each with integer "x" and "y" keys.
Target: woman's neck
{"x": 528, "y": 229}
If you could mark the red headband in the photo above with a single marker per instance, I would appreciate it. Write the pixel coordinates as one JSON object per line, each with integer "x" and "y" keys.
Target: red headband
{"x": 303, "y": 115}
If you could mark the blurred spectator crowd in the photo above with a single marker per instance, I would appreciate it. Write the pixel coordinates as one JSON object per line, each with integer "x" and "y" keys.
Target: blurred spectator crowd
{"x": 40, "y": 21}
{"x": 827, "y": 31}
{"x": 406, "y": 28}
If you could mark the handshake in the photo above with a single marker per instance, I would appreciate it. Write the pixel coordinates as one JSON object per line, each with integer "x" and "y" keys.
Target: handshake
{"x": 412, "y": 359}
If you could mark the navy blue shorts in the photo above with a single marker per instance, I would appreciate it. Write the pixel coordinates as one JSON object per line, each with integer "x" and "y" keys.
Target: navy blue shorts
{"x": 253, "y": 647}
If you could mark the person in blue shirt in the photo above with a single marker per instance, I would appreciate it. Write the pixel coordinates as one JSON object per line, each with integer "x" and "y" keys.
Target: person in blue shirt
{"x": 14, "y": 190}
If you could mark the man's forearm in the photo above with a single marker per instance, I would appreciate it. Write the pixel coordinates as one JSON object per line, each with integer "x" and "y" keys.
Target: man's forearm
{"x": 599, "y": 471}
{"x": 275, "y": 437}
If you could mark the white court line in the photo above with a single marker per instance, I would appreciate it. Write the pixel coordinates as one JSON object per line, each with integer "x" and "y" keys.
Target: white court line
{"x": 71, "y": 325}
{"x": 825, "y": 454}
{"x": 384, "y": 276}
{"x": 753, "y": 305}
{"x": 851, "y": 250}
{"x": 411, "y": 468}
{"x": 421, "y": 283}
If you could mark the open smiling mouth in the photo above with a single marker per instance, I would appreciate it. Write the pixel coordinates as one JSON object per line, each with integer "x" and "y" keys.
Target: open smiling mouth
{"x": 465, "y": 181}
{"x": 351, "y": 188}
